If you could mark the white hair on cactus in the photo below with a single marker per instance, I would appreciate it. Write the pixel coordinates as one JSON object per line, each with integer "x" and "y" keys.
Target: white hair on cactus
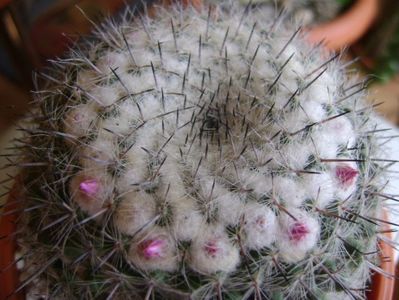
{"x": 229, "y": 208}
{"x": 299, "y": 233}
{"x": 295, "y": 68}
{"x": 87, "y": 79}
{"x": 151, "y": 107}
{"x": 128, "y": 109}
{"x": 295, "y": 155}
{"x": 312, "y": 111}
{"x": 264, "y": 157}
{"x": 292, "y": 124}
{"x": 256, "y": 181}
{"x": 289, "y": 191}
{"x": 319, "y": 188}
{"x": 323, "y": 144}
{"x": 137, "y": 172}
{"x": 113, "y": 60}
{"x": 187, "y": 220}
{"x": 212, "y": 252}
{"x": 123, "y": 120}
{"x": 156, "y": 250}
{"x": 91, "y": 191}
{"x": 80, "y": 119}
{"x": 341, "y": 130}
{"x": 106, "y": 95}
{"x": 135, "y": 175}
{"x": 98, "y": 154}
{"x": 116, "y": 125}
{"x": 138, "y": 83}
{"x": 259, "y": 225}
{"x": 322, "y": 93}
{"x": 135, "y": 211}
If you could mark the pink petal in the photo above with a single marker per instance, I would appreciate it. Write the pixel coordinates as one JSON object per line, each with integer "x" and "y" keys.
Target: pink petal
{"x": 346, "y": 175}
{"x": 298, "y": 232}
{"x": 211, "y": 248}
{"x": 78, "y": 117}
{"x": 152, "y": 248}
{"x": 261, "y": 222}
{"x": 89, "y": 187}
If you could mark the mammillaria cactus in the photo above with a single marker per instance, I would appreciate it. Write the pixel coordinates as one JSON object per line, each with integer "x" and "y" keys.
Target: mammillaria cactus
{"x": 206, "y": 154}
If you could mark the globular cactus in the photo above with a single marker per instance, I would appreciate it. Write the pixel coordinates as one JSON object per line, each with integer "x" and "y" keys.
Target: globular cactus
{"x": 199, "y": 154}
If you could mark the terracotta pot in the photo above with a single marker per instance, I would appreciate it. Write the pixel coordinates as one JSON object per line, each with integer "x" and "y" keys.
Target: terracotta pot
{"x": 347, "y": 28}
{"x": 382, "y": 288}
{"x": 8, "y": 272}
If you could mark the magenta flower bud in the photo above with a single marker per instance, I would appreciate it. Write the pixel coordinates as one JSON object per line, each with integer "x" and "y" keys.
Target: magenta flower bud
{"x": 89, "y": 187}
{"x": 298, "y": 232}
{"x": 152, "y": 248}
{"x": 78, "y": 117}
{"x": 346, "y": 175}
{"x": 211, "y": 248}
{"x": 261, "y": 222}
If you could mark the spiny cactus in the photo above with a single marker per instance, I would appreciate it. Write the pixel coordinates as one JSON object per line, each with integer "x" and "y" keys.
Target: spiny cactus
{"x": 199, "y": 154}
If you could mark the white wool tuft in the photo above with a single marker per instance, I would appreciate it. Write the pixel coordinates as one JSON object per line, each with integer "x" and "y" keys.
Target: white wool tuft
{"x": 212, "y": 252}
{"x": 322, "y": 90}
{"x": 292, "y": 250}
{"x": 135, "y": 212}
{"x": 260, "y": 226}
{"x": 319, "y": 188}
{"x": 116, "y": 60}
{"x": 324, "y": 144}
{"x": 296, "y": 154}
{"x": 187, "y": 220}
{"x": 256, "y": 181}
{"x": 289, "y": 191}
{"x": 79, "y": 120}
{"x": 341, "y": 130}
{"x": 312, "y": 112}
{"x": 98, "y": 154}
{"x": 106, "y": 95}
{"x": 229, "y": 208}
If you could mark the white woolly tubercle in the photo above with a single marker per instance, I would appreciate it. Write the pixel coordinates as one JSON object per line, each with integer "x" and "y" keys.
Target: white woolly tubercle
{"x": 213, "y": 252}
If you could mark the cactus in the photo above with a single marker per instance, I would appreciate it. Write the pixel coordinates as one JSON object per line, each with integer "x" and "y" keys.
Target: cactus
{"x": 199, "y": 154}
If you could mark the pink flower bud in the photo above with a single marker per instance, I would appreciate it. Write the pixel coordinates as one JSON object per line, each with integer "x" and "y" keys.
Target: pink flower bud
{"x": 152, "y": 248}
{"x": 89, "y": 187}
{"x": 78, "y": 117}
{"x": 261, "y": 222}
{"x": 298, "y": 232}
{"x": 211, "y": 248}
{"x": 346, "y": 175}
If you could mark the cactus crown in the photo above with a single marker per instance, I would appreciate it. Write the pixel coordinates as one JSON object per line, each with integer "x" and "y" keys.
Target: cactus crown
{"x": 207, "y": 154}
